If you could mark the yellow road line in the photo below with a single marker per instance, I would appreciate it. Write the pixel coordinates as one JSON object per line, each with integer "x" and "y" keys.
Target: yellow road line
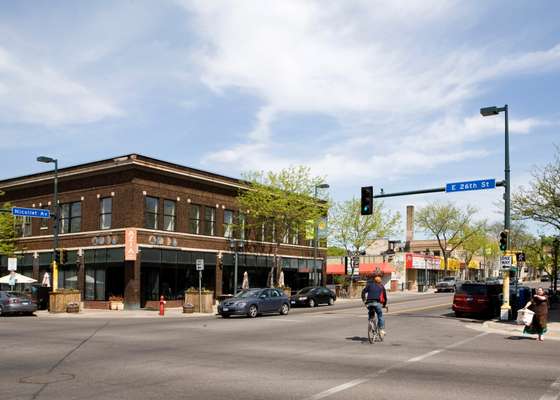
{"x": 418, "y": 309}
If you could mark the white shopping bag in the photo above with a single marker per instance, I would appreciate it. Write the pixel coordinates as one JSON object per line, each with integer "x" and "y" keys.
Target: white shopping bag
{"x": 525, "y": 317}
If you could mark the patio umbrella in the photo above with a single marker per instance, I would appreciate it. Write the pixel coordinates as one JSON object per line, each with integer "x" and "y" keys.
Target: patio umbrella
{"x": 281, "y": 279}
{"x": 245, "y": 284}
{"x": 46, "y": 280}
{"x": 19, "y": 278}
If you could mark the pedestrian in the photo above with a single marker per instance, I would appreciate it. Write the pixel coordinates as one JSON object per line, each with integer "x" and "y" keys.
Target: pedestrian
{"x": 539, "y": 305}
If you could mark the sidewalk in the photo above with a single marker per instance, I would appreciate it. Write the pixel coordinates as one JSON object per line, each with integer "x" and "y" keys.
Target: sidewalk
{"x": 512, "y": 329}
{"x": 90, "y": 313}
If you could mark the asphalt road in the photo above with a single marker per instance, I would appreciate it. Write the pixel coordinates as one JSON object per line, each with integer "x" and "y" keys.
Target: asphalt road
{"x": 310, "y": 354}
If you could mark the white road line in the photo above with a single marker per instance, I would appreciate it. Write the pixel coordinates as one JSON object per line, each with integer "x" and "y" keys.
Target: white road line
{"x": 359, "y": 381}
{"x": 553, "y": 391}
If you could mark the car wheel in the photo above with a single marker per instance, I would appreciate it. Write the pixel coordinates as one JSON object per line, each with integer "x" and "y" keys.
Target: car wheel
{"x": 331, "y": 301}
{"x": 312, "y": 303}
{"x": 253, "y": 311}
{"x": 285, "y": 309}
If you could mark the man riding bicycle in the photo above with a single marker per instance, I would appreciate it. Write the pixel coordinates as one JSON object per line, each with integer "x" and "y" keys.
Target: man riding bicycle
{"x": 375, "y": 297}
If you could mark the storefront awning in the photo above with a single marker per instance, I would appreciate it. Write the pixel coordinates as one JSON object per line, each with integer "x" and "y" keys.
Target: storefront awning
{"x": 369, "y": 268}
{"x": 336, "y": 269}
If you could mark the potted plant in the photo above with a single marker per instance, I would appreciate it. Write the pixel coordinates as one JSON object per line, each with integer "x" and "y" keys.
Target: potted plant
{"x": 116, "y": 303}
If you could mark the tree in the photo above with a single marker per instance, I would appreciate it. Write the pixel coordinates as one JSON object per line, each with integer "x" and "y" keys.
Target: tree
{"x": 283, "y": 203}
{"x": 541, "y": 201}
{"x": 450, "y": 225}
{"x": 8, "y": 245}
{"x": 475, "y": 242}
{"x": 354, "y": 232}
{"x": 335, "y": 251}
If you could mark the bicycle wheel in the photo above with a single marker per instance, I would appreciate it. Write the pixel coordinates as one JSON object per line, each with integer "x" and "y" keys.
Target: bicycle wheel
{"x": 371, "y": 331}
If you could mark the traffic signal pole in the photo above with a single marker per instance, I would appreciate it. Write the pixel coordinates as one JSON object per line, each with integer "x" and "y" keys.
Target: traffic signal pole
{"x": 56, "y": 228}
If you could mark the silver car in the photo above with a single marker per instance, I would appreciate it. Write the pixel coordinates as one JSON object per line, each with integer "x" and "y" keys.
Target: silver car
{"x": 447, "y": 284}
{"x": 16, "y": 303}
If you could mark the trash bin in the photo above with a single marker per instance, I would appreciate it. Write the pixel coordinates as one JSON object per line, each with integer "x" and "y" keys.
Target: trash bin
{"x": 188, "y": 308}
{"x": 421, "y": 287}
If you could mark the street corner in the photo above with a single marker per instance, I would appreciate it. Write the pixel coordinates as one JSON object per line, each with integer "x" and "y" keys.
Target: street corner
{"x": 510, "y": 328}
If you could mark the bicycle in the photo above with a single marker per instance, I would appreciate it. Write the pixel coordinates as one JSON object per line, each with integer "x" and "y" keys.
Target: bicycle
{"x": 374, "y": 333}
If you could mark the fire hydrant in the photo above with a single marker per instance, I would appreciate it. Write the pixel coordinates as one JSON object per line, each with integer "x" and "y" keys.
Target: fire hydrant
{"x": 162, "y": 305}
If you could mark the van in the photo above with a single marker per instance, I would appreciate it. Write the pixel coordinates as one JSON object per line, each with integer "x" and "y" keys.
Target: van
{"x": 480, "y": 299}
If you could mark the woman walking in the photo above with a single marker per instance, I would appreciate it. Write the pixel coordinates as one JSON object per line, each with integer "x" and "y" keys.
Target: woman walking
{"x": 539, "y": 305}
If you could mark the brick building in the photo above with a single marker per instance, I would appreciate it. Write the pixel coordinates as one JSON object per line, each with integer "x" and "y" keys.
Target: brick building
{"x": 172, "y": 215}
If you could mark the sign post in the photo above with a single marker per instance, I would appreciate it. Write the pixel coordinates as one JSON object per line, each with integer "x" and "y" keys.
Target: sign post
{"x": 200, "y": 268}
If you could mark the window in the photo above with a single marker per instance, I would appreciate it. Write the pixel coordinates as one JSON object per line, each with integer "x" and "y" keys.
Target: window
{"x": 105, "y": 213}
{"x": 169, "y": 215}
{"x": 44, "y": 221}
{"x": 151, "y": 212}
{"x": 263, "y": 232}
{"x": 228, "y": 223}
{"x": 194, "y": 216}
{"x": 70, "y": 217}
{"x": 209, "y": 221}
{"x": 294, "y": 232}
{"x": 241, "y": 227}
{"x": 23, "y": 226}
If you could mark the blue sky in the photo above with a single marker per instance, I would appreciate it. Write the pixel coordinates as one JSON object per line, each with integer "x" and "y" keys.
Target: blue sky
{"x": 381, "y": 93}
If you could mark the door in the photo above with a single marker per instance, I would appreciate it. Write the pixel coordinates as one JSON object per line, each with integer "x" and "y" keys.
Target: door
{"x": 325, "y": 295}
{"x": 265, "y": 301}
{"x": 276, "y": 301}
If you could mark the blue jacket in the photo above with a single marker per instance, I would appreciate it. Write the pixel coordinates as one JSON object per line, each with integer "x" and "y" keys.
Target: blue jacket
{"x": 375, "y": 292}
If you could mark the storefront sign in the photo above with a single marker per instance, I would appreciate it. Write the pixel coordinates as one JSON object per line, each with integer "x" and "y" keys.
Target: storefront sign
{"x": 162, "y": 241}
{"x": 131, "y": 245}
{"x": 104, "y": 240}
{"x": 420, "y": 261}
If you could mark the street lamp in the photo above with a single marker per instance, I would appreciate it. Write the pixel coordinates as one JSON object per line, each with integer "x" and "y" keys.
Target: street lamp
{"x": 56, "y": 218}
{"x": 235, "y": 245}
{"x": 316, "y": 232}
{"x": 486, "y": 112}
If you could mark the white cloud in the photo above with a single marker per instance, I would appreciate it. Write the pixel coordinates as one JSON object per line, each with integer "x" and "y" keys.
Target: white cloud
{"x": 38, "y": 94}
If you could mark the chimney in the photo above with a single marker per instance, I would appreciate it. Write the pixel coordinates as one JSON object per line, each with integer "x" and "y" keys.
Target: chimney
{"x": 409, "y": 224}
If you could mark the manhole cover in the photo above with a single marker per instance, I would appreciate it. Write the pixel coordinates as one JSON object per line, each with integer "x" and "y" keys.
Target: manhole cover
{"x": 47, "y": 378}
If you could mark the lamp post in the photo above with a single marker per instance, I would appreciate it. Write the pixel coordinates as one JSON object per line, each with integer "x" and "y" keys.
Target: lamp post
{"x": 235, "y": 245}
{"x": 426, "y": 279}
{"x": 316, "y": 232}
{"x": 56, "y": 219}
{"x": 486, "y": 112}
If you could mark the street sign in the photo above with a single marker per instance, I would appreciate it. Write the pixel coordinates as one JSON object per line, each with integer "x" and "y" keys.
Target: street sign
{"x": 200, "y": 264}
{"x": 30, "y": 212}
{"x": 506, "y": 261}
{"x": 12, "y": 264}
{"x": 470, "y": 185}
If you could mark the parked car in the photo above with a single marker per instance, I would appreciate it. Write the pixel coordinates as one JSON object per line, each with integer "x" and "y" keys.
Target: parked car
{"x": 481, "y": 299}
{"x": 545, "y": 278}
{"x": 16, "y": 303}
{"x": 498, "y": 280}
{"x": 253, "y": 302}
{"x": 312, "y": 296}
{"x": 447, "y": 284}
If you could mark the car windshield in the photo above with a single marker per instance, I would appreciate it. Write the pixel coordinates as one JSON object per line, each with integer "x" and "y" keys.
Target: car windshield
{"x": 449, "y": 278}
{"x": 305, "y": 290}
{"x": 247, "y": 293}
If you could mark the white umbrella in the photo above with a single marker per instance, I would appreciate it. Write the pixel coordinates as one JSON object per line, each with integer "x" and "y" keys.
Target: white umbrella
{"x": 281, "y": 279}
{"x": 46, "y": 280}
{"x": 19, "y": 278}
{"x": 245, "y": 284}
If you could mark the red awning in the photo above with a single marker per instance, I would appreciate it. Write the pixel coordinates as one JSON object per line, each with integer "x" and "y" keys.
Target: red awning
{"x": 369, "y": 268}
{"x": 336, "y": 269}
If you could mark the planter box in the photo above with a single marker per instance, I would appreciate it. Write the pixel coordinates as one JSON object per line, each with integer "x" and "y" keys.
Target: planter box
{"x": 97, "y": 305}
{"x": 59, "y": 300}
{"x": 207, "y": 301}
{"x": 117, "y": 305}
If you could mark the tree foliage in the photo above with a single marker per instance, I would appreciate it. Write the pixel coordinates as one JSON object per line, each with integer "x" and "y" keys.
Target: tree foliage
{"x": 283, "y": 202}
{"x": 354, "y": 232}
{"x": 541, "y": 200}
{"x": 7, "y": 233}
{"x": 450, "y": 225}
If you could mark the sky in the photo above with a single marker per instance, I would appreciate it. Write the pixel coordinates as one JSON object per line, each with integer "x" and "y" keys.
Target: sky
{"x": 380, "y": 93}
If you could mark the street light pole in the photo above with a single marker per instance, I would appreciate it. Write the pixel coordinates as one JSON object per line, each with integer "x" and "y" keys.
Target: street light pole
{"x": 235, "y": 244}
{"x": 316, "y": 234}
{"x": 56, "y": 219}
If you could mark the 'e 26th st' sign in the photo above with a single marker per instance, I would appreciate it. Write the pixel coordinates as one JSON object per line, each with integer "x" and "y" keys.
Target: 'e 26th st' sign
{"x": 470, "y": 185}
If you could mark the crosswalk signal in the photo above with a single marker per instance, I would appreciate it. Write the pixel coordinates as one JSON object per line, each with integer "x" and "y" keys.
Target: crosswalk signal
{"x": 503, "y": 241}
{"x": 367, "y": 200}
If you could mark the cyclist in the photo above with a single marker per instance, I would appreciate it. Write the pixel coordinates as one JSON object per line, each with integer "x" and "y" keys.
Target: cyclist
{"x": 374, "y": 296}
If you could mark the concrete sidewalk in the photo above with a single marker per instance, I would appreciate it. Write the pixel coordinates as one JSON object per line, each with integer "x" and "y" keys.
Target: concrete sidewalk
{"x": 511, "y": 328}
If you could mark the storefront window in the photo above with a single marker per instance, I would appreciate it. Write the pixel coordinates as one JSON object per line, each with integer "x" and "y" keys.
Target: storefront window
{"x": 151, "y": 212}
{"x": 169, "y": 215}
{"x": 68, "y": 277}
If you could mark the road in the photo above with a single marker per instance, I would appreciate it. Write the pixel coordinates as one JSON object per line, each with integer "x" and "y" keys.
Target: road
{"x": 308, "y": 355}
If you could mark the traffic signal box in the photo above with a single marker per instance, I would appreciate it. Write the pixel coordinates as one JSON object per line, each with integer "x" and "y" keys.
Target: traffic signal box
{"x": 503, "y": 240}
{"x": 61, "y": 256}
{"x": 367, "y": 200}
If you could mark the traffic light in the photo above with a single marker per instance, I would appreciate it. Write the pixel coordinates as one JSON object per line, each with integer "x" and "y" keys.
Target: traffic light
{"x": 367, "y": 200}
{"x": 503, "y": 240}
{"x": 520, "y": 257}
{"x": 61, "y": 256}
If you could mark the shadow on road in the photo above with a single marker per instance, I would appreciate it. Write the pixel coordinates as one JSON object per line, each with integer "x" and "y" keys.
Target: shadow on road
{"x": 520, "y": 338}
{"x": 358, "y": 339}
{"x": 446, "y": 316}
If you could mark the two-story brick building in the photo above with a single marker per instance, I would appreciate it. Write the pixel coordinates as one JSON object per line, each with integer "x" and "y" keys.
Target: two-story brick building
{"x": 172, "y": 214}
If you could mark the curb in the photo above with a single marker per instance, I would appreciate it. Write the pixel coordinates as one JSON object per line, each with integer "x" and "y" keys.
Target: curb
{"x": 514, "y": 330}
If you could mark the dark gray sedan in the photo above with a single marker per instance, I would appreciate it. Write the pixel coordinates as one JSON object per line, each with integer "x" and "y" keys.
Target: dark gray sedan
{"x": 16, "y": 303}
{"x": 253, "y": 302}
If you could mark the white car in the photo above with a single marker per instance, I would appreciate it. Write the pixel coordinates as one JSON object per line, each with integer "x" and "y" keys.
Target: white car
{"x": 447, "y": 284}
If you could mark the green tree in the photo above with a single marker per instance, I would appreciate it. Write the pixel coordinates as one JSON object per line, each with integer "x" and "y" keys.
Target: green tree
{"x": 283, "y": 203}
{"x": 335, "y": 251}
{"x": 450, "y": 225}
{"x": 8, "y": 246}
{"x": 475, "y": 242}
{"x": 354, "y": 232}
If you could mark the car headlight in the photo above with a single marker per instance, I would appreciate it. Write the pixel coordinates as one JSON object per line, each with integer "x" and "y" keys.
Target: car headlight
{"x": 241, "y": 304}
{"x": 303, "y": 298}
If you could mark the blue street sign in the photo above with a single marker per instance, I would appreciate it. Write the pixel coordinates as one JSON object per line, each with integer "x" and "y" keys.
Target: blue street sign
{"x": 470, "y": 185}
{"x": 30, "y": 212}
